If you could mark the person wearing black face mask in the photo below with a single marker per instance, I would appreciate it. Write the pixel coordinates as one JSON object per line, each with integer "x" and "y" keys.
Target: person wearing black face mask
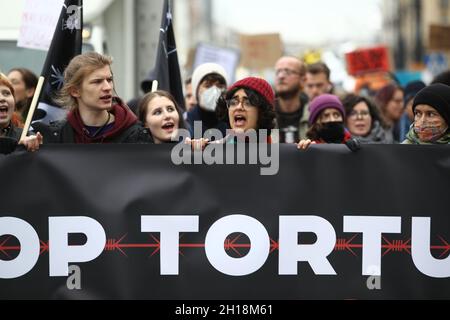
{"x": 326, "y": 119}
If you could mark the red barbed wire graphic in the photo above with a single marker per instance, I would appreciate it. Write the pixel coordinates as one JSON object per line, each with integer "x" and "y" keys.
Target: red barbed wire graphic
{"x": 349, "y": 245}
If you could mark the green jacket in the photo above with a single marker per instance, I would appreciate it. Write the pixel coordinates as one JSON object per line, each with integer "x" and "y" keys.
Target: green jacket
{"x": 303, "y": 125}
{"x": 412, "y": 138}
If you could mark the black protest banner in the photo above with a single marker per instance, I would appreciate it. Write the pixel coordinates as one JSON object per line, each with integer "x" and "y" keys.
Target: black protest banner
{"x": 154, "y": 230}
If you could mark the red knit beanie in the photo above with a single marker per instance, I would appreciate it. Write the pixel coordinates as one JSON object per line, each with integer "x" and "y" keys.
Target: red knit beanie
{"x": 259, "y": 85}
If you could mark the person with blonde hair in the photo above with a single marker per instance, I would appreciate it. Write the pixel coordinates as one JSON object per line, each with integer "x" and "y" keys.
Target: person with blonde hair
{"x": 96, "y": 114}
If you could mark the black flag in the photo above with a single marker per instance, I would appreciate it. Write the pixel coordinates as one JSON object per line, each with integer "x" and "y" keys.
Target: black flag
{"x": 167, "y": 69}
{"x": 66, "y": 44}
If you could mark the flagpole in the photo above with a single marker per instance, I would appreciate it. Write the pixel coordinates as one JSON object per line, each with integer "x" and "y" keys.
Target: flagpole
{"x": 34, "y": 103}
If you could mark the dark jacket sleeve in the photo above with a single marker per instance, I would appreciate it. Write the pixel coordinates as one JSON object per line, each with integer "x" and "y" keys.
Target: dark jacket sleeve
{"x": 136, "y": 134}
{"x": 15, "y": 133}
{"x": 55, "y": 132}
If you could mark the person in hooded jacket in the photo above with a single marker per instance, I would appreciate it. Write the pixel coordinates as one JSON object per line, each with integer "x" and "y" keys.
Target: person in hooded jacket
{"x": 96, "y": 115}
{"x": 431, "y": 124}
{"x": 363, "y": 120}
{"x": 326, "y": 121}
{"x": 209, "y": 82}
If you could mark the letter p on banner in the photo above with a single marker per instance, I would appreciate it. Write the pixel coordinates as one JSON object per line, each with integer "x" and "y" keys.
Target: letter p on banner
{"x": 61, "y": 254}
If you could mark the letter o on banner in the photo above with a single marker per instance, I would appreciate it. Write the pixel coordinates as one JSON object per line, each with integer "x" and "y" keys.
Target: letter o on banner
{"x": 29, "y": 248}
{"x": 259, "y": 249}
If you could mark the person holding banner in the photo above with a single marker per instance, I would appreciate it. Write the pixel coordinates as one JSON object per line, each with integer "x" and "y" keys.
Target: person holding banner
{"x": 248, "y": 105}
{"x": 363, "y": 120}
{"x": 160, "y": 113}
{"x": 9, "y": 132}
{"x": 431, "y": 109}
{"x": 95, "y": 114}
{"x": 326, "y": 121}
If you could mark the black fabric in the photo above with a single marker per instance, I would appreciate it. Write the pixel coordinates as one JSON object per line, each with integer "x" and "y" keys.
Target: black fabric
{"x": 328, "y": 181}
{"x": 167, "y": 68}
{"x": 9, "y": 139}
{"x": 7, "y": 145}
{"x": 208, "y": 121}
{"x": 66, "y": 44}
{"x": 332, "y": 132}
{"x": 12, "y": 131}
{"x": 62, "y": 132}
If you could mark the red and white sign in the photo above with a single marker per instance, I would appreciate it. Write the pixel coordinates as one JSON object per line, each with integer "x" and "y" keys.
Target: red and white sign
{"x": 368, "y": 60}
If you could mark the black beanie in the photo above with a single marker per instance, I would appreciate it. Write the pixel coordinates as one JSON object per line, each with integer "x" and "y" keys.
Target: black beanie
{"x": 437, "y": 96}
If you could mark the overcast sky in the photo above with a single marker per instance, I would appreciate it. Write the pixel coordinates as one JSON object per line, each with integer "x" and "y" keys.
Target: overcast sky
{"x": 308, "y": 21}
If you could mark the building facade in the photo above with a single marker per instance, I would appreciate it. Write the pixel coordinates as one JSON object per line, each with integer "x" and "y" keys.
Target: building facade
{"x": 407, "y": 30}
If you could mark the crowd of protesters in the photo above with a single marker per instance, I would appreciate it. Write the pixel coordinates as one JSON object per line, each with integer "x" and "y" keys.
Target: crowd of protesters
{"x": 302, "y": 104}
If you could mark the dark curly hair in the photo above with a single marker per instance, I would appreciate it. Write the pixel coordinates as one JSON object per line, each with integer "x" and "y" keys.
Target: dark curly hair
{"x": 313, "y": 131}
{"x": 266, "y": 114}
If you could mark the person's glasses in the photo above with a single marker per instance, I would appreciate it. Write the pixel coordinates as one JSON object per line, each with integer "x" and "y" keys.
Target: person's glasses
{"x": 235, "y": 102}
{"x": 357, "y": 115}
{"x": 287, "y": 72}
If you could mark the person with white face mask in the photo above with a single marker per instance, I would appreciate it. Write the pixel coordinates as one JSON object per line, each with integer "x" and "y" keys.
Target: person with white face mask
{"x": 209, "y": 82}
{"x": 431, "y": 109}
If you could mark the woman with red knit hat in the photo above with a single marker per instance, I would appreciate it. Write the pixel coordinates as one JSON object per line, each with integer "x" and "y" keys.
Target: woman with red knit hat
{"x": 248, "y": 105}
{"x": 326, "y": 122}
